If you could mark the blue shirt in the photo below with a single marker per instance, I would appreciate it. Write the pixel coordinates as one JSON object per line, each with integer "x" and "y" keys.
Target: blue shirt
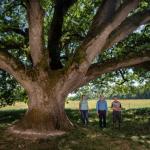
{"x": 101, "y": 105}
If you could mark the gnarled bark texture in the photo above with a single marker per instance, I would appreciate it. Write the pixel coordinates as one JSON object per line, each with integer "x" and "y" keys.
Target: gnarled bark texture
{"x": 46, "y": 106}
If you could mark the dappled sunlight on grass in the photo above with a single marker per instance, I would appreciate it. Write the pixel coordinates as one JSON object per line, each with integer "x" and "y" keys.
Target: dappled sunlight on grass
{"x": 135, "y": 126}
{"x": 134, "y": 132}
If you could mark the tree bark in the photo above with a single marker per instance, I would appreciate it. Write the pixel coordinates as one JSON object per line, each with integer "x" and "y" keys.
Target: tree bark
{"x": 45, "y": 110}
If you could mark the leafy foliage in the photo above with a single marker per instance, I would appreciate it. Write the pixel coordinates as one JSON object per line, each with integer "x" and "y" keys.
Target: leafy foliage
{"x": 125, "y": 83}
{"x": 10, "y": 90}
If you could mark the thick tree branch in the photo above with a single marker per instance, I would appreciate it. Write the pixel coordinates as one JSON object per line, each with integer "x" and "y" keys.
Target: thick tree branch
{"x": 96, "y": 70}
{"x": 13, "y": 67}
{"x": 127, "y": 27}
{"x": 35, "y": 19}
{"x": 145, "y": 65}
{"x": 96, "y": 40}
{"x": 55, "y": 31}
{"x": 105, "y": 12}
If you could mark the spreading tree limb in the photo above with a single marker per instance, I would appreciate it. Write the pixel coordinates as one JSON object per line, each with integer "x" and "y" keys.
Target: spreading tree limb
{"x": 9, "y": 64}
{"x": 113, "y": 64}
{"x": 97, "y": 69}
{"x": 55, "y": 31}
{"x": 104, "y": 13}
{"x": 127, "y": 27}
{"x": 94, "y": 42}
{"x": 35, "y": 20}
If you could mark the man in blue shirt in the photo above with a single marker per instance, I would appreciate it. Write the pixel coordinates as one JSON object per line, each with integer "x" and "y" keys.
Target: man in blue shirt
{"x": 101, "y": 108}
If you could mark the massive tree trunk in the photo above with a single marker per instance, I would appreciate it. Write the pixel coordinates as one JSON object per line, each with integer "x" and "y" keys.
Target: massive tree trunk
{"x": 45, "y": 107}
{"x": 46, "y": 114}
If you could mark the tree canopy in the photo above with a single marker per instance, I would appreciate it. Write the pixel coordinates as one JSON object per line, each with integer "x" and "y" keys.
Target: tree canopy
{"x": 73, "y": 19}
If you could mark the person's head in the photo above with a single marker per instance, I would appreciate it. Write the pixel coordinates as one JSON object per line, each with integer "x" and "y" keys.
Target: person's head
{"x": 115, "y": 98}
{"x": 101, "y": 97}
{"x": 84, "y": 97}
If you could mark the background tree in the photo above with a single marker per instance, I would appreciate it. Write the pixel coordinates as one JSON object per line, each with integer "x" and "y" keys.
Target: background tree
{"x": 10, "y": 90}
{"x": 54, "y": 47}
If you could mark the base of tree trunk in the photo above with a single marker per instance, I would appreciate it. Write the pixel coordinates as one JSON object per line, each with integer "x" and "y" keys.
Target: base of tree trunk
{"x": 27, "y": 134}
{"x": 40, "y": 127}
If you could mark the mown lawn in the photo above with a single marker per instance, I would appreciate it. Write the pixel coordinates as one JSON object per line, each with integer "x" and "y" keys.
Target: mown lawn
{"x": 133, "y": 135}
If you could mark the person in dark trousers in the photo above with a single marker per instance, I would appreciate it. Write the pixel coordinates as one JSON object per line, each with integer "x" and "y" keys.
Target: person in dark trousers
{"x": 101, "y": 108}
{"x": 83, "y": 108}
{"x": 116, "y": 106}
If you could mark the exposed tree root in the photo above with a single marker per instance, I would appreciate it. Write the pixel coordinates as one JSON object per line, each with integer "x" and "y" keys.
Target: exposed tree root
{"x": 27, "y": 134}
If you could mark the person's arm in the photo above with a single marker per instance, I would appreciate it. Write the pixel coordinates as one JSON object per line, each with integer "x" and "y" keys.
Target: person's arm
{"x": 97, "y": 108}
{"x": 120, "y": 106}
{"x": 79, "y": 106}
{"x": 106, "y": 107}
{"x": 112, "y": 106}
{"x": 88, "y": 106}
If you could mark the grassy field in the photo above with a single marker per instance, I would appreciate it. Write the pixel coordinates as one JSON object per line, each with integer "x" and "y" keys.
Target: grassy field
{"x": 126, "y": 104}
{"x": 133, "y": 135}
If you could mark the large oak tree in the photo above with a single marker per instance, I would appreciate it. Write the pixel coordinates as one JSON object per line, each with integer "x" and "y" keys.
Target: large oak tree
{"x": 53, "y": 68}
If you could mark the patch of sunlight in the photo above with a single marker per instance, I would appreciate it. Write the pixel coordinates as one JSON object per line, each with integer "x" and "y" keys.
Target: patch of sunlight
{"x": 18, "y": 105}
{"x": 135, "y": 138}
{"x": 105, "y": 129}
{"x": 92, "y": 136}
{"x": 144, "y": 137}
{"x": 74, "y": 142}
{"x": 67, "y": 147}
{"x": 93, "y": 120}
{"x": 137, "y": 117}
{"x": 148, "y": 142}
{"x": 2, "y": 125}
{"x": 122, "y": 136}
{"x": 127, "y": 119}
{"x": 141, "y": 141}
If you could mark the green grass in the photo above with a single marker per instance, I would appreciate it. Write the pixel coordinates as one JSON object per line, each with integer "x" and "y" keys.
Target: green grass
{"x": 127, "y": 104}
{"x": 133, "y": 135}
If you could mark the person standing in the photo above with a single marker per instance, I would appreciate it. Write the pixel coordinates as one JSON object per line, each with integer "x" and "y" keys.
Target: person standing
{"x": 84, "y": 108}
{"x": 101, "y": 108}
{"x": 116, "y": 106}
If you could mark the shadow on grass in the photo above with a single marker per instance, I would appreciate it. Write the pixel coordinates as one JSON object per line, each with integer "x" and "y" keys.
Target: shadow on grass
{"x": 134, "y": 121}
{"x": 8, "y": 116}
{"x": 135, "y": 127}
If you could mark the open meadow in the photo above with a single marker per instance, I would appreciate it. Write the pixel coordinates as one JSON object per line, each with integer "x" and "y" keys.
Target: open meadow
{"x": 126, "y": 104}
{"x": 133, "y": 135}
